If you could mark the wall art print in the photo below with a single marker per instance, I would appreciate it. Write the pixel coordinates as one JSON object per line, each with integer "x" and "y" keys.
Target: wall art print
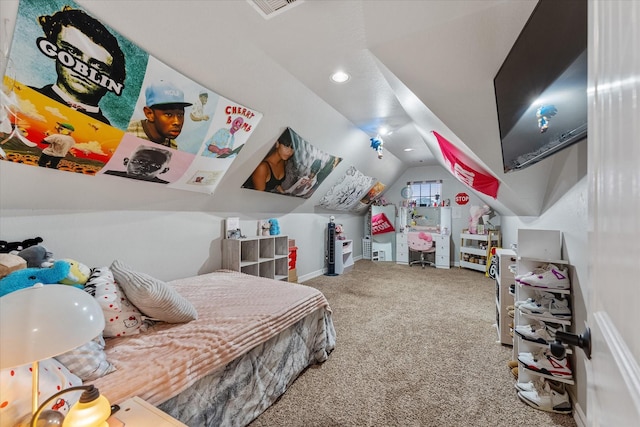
{"x": 347, "y": 193}
{"x": 79, "y": 97}
{"x": 292, "y": 167}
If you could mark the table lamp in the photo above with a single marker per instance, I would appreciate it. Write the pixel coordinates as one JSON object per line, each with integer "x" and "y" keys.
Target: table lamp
{"x": 31, "y": 321}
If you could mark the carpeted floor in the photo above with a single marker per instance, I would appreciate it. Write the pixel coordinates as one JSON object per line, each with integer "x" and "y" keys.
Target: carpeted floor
{"x": 415, "y": 347}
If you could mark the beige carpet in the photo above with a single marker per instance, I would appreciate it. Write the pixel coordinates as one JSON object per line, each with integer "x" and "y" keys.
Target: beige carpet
{"x": 415, "y": 347}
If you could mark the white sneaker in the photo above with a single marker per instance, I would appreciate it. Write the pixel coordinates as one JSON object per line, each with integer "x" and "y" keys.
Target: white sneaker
{"x": 556, "y": 308}
{"x": 542, "y": 297}
{"x": 547, "y": 398}
{"x": 533, "y": 385}
{"x": 536, "y": 332}
{"x": 538, "y": 270}
{"x": 552, "y": 277}
{"x": 545, "y": 363}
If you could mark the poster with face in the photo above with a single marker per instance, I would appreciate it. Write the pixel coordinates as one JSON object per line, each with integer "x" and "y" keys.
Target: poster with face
{"x": 292, "y": 167}
{"x": 348, "y": 192}
{"x": 74, "y": 88}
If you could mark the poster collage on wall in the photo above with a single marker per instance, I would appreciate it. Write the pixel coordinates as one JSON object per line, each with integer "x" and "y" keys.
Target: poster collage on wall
{"x": 79, "y": 97}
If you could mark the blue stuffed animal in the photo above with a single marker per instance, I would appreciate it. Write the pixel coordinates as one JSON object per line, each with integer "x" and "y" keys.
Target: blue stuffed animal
{"x": 275, "y": 227}
{"x": 28, "y": 277}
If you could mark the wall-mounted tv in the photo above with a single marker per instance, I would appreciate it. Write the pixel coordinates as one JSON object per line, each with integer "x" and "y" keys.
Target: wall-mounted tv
{"x": 541, "y": 88}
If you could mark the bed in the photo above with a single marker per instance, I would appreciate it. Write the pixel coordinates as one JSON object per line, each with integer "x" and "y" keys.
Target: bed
{"x": 251, "y": 339}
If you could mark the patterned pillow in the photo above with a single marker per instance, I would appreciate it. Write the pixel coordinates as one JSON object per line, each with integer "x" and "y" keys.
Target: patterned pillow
{"x": 89, "y": 361}
{"x": 15, "y": 390}
{"x": 121, "y": 317}
{"x": 153, "y": 297}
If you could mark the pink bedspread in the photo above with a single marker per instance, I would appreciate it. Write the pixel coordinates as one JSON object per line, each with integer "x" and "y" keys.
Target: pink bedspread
{"x": 236, "y": 312}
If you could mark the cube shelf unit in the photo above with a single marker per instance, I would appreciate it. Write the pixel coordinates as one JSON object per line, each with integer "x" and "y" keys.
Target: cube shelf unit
{"x": 263, "y": 256}
{"x": 476, "y": 248}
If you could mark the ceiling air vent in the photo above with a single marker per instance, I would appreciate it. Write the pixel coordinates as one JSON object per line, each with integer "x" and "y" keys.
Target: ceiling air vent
{"x": 270, "y": 8}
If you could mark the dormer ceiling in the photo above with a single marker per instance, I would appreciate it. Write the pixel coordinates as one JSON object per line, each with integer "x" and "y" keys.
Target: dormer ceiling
{"x": 414, "y": 66}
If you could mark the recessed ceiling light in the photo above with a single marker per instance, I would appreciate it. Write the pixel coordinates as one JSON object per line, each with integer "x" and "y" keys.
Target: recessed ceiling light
{"x": 340, "y": 77}
{"x": 383, "y": 131}
{"x": 408, "y": 149}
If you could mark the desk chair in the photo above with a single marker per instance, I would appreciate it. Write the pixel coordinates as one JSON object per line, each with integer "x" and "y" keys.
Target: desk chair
{"x": 422, "y": 243}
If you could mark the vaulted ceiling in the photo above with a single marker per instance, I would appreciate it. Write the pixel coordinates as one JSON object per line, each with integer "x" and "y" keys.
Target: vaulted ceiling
{"x": 415, "y": 67}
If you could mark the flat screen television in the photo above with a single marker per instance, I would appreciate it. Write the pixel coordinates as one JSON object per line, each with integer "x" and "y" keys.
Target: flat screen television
{"x": 541, "y": 88}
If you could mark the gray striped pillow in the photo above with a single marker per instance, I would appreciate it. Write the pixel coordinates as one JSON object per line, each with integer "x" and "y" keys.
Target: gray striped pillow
{"x": 153, "y": 297}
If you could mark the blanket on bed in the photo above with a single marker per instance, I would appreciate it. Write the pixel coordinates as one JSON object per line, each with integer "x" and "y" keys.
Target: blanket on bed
{"x": 236, "y": 312}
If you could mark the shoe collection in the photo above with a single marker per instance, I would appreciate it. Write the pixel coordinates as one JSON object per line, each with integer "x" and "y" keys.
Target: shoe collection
{"x": 544, "y": 312}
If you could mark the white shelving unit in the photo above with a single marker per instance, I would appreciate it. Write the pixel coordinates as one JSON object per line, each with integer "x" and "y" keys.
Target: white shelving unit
{"x": 263, "y": 256}
{"x": 504, "y": 279}
{"x": 344, "y": 256}
{"x": 475, "y": 248}
{"x": 537, "y": 248}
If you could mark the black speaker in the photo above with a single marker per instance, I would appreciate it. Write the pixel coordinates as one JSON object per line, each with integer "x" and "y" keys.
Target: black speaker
{"x": 331, "y": 250}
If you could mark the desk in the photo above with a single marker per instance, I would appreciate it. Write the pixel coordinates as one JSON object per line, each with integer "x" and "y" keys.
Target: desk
{"x": 442, "y": 243}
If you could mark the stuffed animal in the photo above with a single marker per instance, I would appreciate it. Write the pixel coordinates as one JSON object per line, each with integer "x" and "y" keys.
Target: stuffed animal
{"x": 78, "y": 274}
{"x": 37, "y": 256}
{"x": 10, "y": 247}
{"x": 10, "y": 263}
{"x": 476, "y": 213}
{"x": 27, "y": 277}
{"x": 275, "y": 227}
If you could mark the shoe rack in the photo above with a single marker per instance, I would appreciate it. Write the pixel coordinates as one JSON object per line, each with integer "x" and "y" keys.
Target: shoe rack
{"x": 537, "y": 249}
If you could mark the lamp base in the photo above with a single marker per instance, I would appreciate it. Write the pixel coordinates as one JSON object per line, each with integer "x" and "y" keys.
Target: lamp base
{"x": 114, "y": 422}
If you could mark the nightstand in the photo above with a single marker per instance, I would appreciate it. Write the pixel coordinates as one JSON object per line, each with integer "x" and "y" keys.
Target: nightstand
{"x": 136, "y": 412}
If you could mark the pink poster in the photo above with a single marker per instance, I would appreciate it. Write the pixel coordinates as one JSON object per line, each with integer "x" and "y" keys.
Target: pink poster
{"x": 466, "y": 170}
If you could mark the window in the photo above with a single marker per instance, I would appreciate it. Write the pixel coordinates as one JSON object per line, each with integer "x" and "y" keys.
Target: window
{"x": 425, "y": 193}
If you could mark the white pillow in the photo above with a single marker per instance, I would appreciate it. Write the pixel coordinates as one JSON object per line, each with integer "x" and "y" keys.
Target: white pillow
{"x": 121, "y": 317}
{"x": 15, "y": 390}
{"x": 153, "y": 297}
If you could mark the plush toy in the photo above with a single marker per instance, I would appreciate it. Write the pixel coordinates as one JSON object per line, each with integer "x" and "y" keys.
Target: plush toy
{"x": 266, "y": 228}
{"x": 275, "y": 227}
{"x": 78, "y": 274}
{"x": 476, "y": 213}
{"x": 27, "y": 277}
{"x": 10, "y": 263}
{"x": 37, "y": 256}
{"x": 10, "y": 247}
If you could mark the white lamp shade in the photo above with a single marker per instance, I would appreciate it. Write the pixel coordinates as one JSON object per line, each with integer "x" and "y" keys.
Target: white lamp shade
{"x": 44, "y": 321}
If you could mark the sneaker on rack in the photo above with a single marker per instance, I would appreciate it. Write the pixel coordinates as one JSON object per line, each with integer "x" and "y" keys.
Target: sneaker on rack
{"x": 538, "y": 270}
{"x": 542, "y": 297}
{"x": 536, "y": 332}
{"x": 533, "y": 385}
{"x": 551, "y": 277}
{"x": 545, "y": 363}
{"x": 547, "y": 398}
{"x": 555, "y": 308}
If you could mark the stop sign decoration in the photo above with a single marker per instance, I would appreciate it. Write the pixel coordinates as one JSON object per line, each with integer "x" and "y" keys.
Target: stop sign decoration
{"x": 462, "y": 198}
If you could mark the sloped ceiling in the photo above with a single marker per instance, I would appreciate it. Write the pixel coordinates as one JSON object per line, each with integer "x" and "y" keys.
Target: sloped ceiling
{"x": 416, "y": 66}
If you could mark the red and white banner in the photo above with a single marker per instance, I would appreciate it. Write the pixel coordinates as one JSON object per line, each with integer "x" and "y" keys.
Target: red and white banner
{"x": 380, "y": 224}
{"x": 466, "y": 170}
